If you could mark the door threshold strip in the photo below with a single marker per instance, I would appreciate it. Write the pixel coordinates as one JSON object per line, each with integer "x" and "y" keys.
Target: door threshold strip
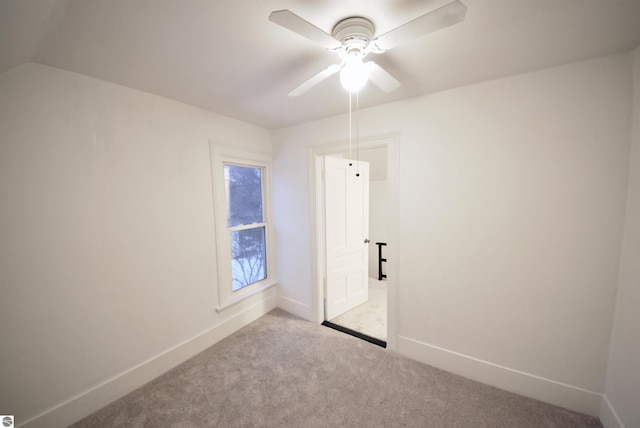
{"x": 354, "y": 333}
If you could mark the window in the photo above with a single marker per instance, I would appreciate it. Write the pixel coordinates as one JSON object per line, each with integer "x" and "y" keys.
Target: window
{"x": 245, "y": 222}
{"x": 241, "y": 199}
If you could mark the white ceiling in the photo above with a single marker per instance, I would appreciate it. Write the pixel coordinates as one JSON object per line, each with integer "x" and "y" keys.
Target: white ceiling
{"x": 227, "y": 57}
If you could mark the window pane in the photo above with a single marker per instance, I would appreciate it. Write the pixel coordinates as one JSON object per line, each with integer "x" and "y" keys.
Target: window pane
{"x": 248, "y": 257}
{"x": 244, "y": 194}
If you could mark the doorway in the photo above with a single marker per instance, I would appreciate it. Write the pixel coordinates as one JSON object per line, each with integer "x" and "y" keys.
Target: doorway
{"x": 382, "y": 154}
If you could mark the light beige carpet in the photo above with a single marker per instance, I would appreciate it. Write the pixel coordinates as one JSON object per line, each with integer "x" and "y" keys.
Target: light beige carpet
{"x": 281, "y": 371}
{"x": 369, "y": 318}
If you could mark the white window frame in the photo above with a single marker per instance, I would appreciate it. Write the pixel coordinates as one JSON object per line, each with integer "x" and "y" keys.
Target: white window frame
{"x": 221, "y": 155}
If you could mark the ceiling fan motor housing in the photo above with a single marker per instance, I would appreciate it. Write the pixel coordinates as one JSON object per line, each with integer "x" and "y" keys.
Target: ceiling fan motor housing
{"x": 354, "y": 33}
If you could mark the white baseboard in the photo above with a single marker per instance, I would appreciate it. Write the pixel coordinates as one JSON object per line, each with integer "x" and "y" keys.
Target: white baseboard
{"x": 526, "y": 384}
{"x": 99, "y": 396}
{"x": 608, "y": 415}
{"x": 294, "y": 307}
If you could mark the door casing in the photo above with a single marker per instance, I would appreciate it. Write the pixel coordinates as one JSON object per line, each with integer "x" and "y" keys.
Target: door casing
{"x": 315, "y": 155}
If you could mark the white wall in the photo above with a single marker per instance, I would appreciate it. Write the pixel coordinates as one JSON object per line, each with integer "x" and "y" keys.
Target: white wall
{"x": 623, "y": 377}
{"x": 107, "y": 254}
{"x": 512, "y": 198}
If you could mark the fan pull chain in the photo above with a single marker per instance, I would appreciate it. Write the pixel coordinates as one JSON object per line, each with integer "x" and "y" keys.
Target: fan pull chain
{"x": 357, "y": 133}
{"x": 350, "y": 131}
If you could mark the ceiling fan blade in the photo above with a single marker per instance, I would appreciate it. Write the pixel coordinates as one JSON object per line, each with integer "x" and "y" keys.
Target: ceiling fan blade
{"x": 293, "y": 22}
{"x": 435, "y": 20}
{"x": 329, "y": 71}
{"x": 381, "y": 78}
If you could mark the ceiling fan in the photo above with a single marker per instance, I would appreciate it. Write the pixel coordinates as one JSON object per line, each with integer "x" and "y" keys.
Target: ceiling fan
{"x": 353, "y": 38}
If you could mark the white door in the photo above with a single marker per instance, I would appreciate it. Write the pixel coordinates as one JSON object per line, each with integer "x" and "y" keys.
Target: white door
{"x": 346, "y": 193}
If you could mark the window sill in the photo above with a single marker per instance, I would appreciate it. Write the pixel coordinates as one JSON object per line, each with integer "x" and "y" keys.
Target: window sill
{"x": 252, "y": 291}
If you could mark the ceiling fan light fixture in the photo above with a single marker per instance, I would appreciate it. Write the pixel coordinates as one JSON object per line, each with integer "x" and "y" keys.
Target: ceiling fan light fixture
{"x": 354, "y": 37}
{"x": 354, "y": 74}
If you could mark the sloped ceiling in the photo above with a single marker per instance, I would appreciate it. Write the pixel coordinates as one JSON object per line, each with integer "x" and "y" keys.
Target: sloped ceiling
{"x": 227, "y": 57}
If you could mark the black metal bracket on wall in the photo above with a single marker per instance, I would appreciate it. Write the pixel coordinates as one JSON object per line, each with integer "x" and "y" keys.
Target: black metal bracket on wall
{"x": 380, "y": 260}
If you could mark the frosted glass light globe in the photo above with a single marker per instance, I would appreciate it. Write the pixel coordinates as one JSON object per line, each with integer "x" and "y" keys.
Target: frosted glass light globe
{"x": 354, "y": 74}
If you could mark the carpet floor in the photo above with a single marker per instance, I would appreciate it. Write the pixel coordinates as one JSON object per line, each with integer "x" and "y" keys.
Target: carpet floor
{"x": 281, "y": 371}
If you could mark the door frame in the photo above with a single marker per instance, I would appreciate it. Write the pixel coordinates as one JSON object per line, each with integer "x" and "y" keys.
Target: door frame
{"x": 315, "y": 155}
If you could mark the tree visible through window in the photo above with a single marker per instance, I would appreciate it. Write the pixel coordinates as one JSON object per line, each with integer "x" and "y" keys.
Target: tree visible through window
{"x": 246, "y": 224}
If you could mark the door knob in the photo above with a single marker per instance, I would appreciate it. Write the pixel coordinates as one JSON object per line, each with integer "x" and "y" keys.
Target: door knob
{"x": 366, "y": 241}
